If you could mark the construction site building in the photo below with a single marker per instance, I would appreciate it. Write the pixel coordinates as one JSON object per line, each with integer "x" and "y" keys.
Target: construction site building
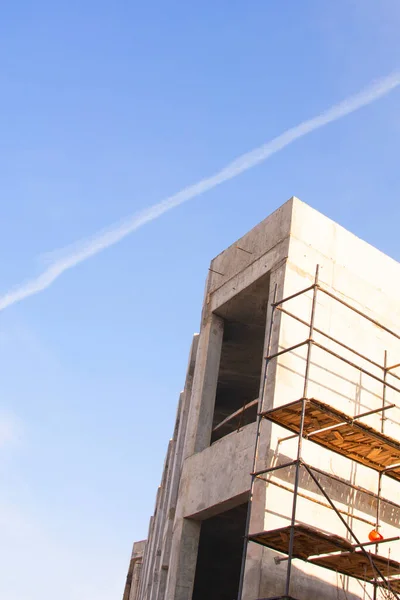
{"x": 282, "y": 478}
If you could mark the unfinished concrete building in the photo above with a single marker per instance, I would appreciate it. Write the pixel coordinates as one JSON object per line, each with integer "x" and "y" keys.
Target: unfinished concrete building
{"x": 281, "y": 480}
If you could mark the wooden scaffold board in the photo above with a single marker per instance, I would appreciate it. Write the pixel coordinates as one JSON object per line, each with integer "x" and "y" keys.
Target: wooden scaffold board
{"x": 345, "y": 436}
{"x": 356, "y": 564}
{"x": 308, "y": 541}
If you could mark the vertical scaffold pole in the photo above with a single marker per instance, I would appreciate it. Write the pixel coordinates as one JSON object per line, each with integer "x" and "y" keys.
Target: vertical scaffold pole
{"x": 378, "y": 500}
{"x": 301, "y": 431}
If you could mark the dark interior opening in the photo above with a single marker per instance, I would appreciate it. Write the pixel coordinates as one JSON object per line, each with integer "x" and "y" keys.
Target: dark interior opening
{"x": 241, "y": 358}
{"x": 219, "y": 556}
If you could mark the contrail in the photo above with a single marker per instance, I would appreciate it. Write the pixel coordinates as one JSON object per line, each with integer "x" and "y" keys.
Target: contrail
{"x": 116, "y": 233}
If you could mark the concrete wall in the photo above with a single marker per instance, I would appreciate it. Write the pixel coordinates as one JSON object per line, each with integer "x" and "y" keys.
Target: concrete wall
{"x": 200, "y": 481}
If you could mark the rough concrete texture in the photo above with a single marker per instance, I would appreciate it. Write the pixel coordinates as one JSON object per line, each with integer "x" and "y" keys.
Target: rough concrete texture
{"x": 201, "y": 481}
{"x": 133, "y": 578}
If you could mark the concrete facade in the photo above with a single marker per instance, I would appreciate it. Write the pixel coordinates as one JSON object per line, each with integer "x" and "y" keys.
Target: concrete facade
{"x": 196, "y": 533}
{"x": 131, "y": 591}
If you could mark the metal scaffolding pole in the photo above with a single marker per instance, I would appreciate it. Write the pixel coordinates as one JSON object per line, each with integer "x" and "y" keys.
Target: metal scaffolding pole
{"x": 301, "y": 432}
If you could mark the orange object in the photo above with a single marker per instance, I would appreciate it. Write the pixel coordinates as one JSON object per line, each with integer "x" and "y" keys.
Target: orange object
{"x": 375, "y": 536}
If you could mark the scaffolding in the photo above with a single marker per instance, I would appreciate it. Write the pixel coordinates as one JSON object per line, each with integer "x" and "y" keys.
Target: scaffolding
{"x": 314, "y": 420}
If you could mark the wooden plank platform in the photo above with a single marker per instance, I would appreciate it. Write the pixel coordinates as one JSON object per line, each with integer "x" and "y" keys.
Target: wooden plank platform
{"x": 353, "y": 439}
{"x": 308, "y": 541}
{"x": 356, "y": 564}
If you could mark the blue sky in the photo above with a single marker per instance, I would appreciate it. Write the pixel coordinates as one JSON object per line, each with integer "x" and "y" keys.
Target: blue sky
{"x": 106, "y": 109}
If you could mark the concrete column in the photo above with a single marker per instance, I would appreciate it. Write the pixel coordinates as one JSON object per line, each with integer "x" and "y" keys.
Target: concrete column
{"x": 202, "y": 403}
{"x": 147, "y": 560}
{"x": 169, "y": 513}
{"x": 183, "y": 561}
{"x": 137, "y": 570}
{"x": 134, "y": 574}
{"x": 160, "y": 523}
{"x": 174, "y": 487}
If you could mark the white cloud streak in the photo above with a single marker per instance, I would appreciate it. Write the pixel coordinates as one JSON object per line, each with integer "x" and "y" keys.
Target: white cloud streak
{"x": 113, "y": 235}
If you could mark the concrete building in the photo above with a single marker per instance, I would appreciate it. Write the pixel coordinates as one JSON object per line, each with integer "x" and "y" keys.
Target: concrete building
{"x": 333, "y": 351}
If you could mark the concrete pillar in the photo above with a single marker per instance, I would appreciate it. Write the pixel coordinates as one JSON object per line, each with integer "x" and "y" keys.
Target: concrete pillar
{"x": 159, "y": 524}
{"x": 183, "y": 561}
{"x": 202, "y": 403}
{"x": 147, "y": 560}
{"x": 166, "y": 532}
{"x": 131, "y": 591}
{"x": 137, "y": 570}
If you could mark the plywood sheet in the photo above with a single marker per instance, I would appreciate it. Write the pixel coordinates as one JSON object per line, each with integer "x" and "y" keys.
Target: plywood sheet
{"x": 356, "y": 564}
{"x": 353, "y": 439}
{"x": 308, "y": 541}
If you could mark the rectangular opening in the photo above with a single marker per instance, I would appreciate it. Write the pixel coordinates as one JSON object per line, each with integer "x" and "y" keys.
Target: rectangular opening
{"x": 219, "y": 556}
{"x": 241, "y": 360}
